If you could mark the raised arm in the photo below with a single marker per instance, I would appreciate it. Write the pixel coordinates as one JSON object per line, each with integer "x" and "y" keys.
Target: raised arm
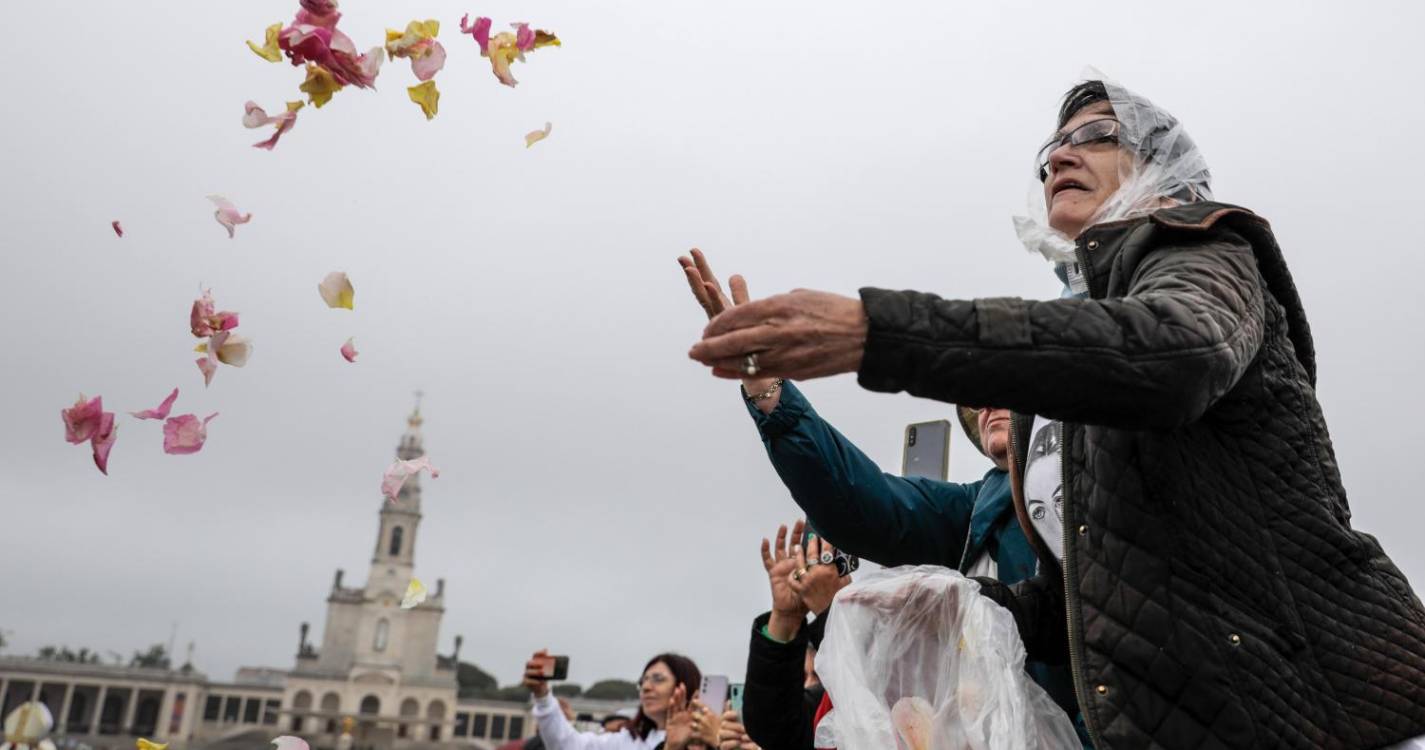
{"x": 883, "y": 517}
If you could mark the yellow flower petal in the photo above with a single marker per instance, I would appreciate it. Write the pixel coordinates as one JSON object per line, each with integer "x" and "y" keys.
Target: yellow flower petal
{"x": 294, "y": 106}
{"x": 270, "y": 50}
{"x": 201, "y": 348}
{"x": 320, "y": 85}
{"x": 543, "y": 38}
{"x": 144, "y": 744}
{"x": 415, "y": 594}
{"x": 535, "y": 136}
{"x": 427, "y": 96}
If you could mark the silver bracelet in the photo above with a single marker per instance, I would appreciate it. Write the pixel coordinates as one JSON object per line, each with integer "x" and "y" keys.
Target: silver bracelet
{"x": 764, "y": 395}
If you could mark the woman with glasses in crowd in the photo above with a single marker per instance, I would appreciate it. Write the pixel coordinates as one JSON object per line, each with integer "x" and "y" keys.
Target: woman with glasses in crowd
{"x": 666, "y": 717}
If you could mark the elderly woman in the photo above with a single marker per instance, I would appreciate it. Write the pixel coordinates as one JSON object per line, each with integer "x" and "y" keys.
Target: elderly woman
{"x": 1212, "y": 590}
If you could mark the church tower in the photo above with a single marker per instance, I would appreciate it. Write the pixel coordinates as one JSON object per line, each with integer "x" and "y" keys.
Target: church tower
{"x": 395, "y": 555}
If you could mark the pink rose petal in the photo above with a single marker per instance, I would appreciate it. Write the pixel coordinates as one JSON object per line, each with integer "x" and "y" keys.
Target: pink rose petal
{"x": 117, "y": 229}
{"x": 426, "y": 67}
{"x": 209, "y": 365}
{"x": 161, "y": 412}
{"x": 228, "y": 214}
{"x": 348, "y": 350}
{"x": 481, "y": 30}
{"x": 83, "y": 420}
{"x": 396, "y": 475}
{"x": 103, "y": 442}
{"x": 185, "y": 434}
{"x": 524, "y": 36}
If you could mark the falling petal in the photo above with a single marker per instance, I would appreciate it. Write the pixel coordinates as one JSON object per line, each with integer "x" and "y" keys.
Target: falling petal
{"x": 319, "y": 86}
{"x": 544, "y": 38}
{"x": 228, "y": 215}
{"x": 480, "y": 30}
{"x": 185, "y": 434}
{"x": 502, "y": 51}
{"x": 204, "y": 320}
{"x": 144, "y": 744}
{"x": 535, "y": 136}
{"x": 396, "y": 475}
{"x": 288, "y": 742}
{"x": 336, "y": 290}
{"x": 117, "y": 229}
{"x": 256, "y": 117}
{"x": 161, "y": 411}
{"x": 415, "y": 594}
{"x": 524, "y": 36}
{"x": 83, "y": 420}
{"x": 348, "y": 350}
{"x": 269, "y": 51}
{"x": 230, "y": 348}
{"x": 426, "y": 66}
{"x": 426, "y": 95}
{"x": 103, "y": 442}
{"x": 209, "y": 367}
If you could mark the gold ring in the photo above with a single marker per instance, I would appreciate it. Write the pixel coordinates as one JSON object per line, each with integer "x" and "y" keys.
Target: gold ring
{"x": 749, "y": 365}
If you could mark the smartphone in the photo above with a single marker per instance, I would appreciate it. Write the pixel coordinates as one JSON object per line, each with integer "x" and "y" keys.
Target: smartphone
{"x": 554, "y": 667}
{"x": 734, "y": 698}
{"x": 845, "y": 564}
{"x": 714, "y": 693}
{"x": 927, "y": 450}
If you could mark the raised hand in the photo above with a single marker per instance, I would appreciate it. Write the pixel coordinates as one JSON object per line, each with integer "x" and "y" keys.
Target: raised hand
{"x": 533, "y": 673}
{"x": 705, "y": 724}
{"x": 819, "y": 584}
{"x": 708, "y": 292}
{"x": 780, "y": 563}
{"x": 731, "y": 735}
{"x": 679, "y": 724}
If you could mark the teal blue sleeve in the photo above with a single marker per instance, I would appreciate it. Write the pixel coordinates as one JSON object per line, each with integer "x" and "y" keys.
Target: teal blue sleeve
{"x": 885, "y": 518}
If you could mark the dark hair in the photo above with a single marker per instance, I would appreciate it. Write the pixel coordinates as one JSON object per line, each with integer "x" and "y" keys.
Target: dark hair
{"x": 1080, "y": 96}
{"x": 685, "y": 673}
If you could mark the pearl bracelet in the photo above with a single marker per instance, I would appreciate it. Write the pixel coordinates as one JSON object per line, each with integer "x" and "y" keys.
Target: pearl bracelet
{"x": 764, "y": 395}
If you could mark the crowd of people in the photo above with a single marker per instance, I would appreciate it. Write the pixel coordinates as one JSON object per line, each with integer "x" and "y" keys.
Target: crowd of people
{"x": 1164, "y": 525}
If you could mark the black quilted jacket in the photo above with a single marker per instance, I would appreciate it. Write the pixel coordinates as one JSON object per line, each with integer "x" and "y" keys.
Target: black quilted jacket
{"x": 1216, "y": 593}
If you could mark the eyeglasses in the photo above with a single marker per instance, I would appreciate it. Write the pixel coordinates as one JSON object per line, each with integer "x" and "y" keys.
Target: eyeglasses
{"x": 1093, "y": 131}
{"x": 656, "y": 678}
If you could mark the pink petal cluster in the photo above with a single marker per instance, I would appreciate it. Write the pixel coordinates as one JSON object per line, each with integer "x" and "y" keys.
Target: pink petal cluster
{"x": 161, "y": 411}
{"x": 185, "y": 434}
{"x": 117, "y": 229}
{"x": 256, "y": 117}
{"x": 222, "y": 344}
{"x": 397, "y": 473}
{"x": 504, "y": 48}
{"x": 313, "y": 37}
{"x": 87, "y": 421}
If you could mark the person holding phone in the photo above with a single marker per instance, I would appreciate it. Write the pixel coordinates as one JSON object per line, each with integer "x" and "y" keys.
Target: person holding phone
{"x": 883, "y": 517}
{"x": 667, "y": 704}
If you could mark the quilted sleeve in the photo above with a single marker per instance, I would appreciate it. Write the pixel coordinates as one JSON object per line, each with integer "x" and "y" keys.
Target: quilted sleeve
{"x": 1156, "y": 358}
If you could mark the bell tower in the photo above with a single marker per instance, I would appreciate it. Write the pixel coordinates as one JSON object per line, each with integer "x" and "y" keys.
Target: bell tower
{"x": 394, "y": 558}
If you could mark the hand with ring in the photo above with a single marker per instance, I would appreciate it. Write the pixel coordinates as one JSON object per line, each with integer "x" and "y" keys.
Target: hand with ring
{"x": 819, "y": 584}
{"x": 710, "y": 296}
{"x": 705, "y": 724}
{"x": 788, "y": 612}
{"x": 801, "y": 335}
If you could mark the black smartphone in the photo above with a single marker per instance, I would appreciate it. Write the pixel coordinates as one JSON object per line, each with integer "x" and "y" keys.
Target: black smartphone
{"x": 553, "y": 668}
{"x": 845, "y": 564}
{"x": 927, "y": 450}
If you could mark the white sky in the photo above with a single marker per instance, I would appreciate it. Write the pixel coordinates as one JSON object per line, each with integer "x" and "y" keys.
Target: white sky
{"x": 601, "y": 495}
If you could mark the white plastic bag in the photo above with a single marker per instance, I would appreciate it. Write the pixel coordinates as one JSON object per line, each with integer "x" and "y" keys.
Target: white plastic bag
{"x": 915, "y": 658}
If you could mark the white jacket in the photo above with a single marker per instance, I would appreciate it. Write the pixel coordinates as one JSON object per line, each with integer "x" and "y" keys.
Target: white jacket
{"x": 558, "y": 734}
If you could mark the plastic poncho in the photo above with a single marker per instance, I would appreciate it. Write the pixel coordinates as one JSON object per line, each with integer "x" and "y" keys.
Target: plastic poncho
{"x": 914, "y": 658}
{"x": 1167, "y": 169}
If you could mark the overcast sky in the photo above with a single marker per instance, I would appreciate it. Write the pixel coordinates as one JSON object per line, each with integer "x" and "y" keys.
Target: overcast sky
{"x": 601, "y": 494}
